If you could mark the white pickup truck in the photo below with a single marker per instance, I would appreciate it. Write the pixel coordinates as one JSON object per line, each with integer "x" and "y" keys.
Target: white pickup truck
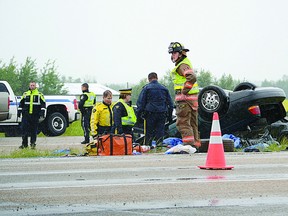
{"x": 60, "y": 112}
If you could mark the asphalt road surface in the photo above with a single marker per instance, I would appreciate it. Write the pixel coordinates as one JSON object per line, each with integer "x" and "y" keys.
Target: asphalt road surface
{"x": 147, "y": 184}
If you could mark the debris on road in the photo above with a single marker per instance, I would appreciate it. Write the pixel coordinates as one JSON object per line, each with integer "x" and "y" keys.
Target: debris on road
{"x": 181, "y": 149}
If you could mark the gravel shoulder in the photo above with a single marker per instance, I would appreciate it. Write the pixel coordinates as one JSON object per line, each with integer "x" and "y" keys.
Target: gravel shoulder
{"x": 9, "y": 144}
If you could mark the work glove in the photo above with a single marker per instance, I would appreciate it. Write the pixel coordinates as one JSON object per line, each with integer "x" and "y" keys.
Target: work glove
{"x": 95, "y": 139}
{"x": 19, "y": 112}
{"x": 42, "y": 113}
{"x": 185, "y": 91}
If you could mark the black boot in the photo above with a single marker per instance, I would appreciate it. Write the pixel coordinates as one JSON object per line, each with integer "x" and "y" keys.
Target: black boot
{"x": 23, "y": 146}
{"x": 33, "y": 145}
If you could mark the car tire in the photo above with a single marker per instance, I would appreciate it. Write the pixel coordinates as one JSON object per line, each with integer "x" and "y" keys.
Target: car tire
{"x": 212, "y": 99}
{"x": 54, "y": 125}
{"x": 228, "y": 145}
{"x": 244, "y": 86}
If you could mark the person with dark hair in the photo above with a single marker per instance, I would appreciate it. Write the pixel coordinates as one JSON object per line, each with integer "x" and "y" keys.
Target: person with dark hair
{"x": 186, "y": 95}
{"x": 86, "y": 103}
{"x": 102, "y": 116}
{"x": 123, "y": 112}
{"x": 155, "y": 106}
{"x": 32, "y": 106}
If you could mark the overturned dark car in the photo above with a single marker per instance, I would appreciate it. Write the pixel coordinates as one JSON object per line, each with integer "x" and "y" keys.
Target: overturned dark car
{"x": 244, "y": 111}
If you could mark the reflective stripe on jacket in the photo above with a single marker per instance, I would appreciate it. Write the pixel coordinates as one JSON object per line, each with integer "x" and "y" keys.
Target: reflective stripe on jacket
{"x": 33, "y": 99}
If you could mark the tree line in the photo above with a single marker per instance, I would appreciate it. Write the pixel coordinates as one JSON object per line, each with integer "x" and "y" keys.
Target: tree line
{"x": 19, "y": 76}
{"x": 51, "y": 83}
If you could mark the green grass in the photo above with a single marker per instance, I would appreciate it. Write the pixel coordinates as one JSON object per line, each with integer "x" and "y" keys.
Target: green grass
{"x": 30, "y": 153}
{"x": 277, "y": 148}
{"x": 74, "y": 129}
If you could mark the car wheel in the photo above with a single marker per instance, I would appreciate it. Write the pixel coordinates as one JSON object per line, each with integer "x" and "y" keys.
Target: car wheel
{"x": 212, "y": 99}
{"x": 54, "y": 125}
{"x": 245, "y": 86}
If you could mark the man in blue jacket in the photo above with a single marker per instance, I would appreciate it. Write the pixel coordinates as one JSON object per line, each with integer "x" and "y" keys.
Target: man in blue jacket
{"x": 155, "y": 106}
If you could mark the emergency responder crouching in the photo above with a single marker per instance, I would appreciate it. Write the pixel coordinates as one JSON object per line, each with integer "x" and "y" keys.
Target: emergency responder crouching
{"x": 123, "y": 112}
{"x": 32, "y": 106}
{"x": 102, "y": 116}
{"x": 186, "y": 95}
{"x": 86, "y": 103}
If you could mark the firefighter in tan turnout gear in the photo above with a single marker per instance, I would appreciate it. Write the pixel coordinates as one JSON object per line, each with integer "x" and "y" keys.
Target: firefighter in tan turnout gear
{"x": 186, "y": 95}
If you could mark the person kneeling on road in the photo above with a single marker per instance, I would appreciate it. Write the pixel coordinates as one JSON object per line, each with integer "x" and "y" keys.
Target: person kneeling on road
{"x": 102, "y": 116}
{"x": 123, "y": 114}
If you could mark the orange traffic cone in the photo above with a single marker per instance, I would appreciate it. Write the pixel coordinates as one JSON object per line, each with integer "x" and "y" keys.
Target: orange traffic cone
{"x": 215, "y": 156}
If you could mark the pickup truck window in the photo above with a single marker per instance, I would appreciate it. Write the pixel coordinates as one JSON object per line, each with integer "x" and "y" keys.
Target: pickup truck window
{"x": 3, "y": 88}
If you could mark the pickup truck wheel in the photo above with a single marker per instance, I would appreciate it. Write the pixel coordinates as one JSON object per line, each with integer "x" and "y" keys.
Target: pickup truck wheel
{"x": 55, "y": 125}
{"x": 212, "y": 99}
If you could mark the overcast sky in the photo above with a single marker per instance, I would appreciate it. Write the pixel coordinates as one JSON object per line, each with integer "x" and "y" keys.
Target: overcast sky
{"x": 119, "y": 41}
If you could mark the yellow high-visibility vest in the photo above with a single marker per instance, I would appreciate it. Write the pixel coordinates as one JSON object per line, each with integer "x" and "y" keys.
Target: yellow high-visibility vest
{"x": 90, "y": 101}
{"x": 131, "y": 118}
{"x": 32, "y": 98}
{"x": 179, "y": 80}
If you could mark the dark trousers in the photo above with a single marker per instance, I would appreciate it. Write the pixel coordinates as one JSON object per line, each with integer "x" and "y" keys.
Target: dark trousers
{"x": 155, "y": 127}
{"x": 29, "y": 126}
{"x": 127, "y": 129}
{"x": 103, "y": 130}
{"x": 85, "y": 123}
